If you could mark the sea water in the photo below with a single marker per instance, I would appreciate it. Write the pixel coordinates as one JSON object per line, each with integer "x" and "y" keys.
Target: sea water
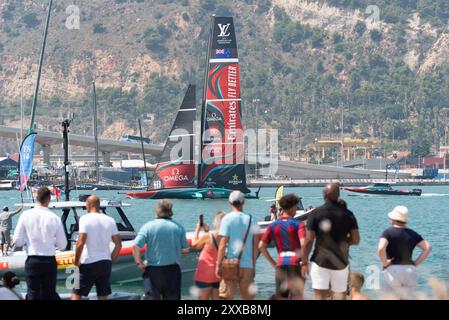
{"x": 428, "y": 215}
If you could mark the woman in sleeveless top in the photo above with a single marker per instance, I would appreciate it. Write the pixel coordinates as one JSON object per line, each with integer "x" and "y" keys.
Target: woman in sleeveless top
{"x": 205, "y": 277}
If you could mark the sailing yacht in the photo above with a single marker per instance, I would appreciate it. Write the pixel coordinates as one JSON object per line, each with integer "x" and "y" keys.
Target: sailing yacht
{"x": 221, "y": 168}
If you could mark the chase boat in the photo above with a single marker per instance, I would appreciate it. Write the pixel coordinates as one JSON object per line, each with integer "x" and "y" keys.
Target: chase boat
{"x": 382, "y": 188}
{"x": 124, "y": 269}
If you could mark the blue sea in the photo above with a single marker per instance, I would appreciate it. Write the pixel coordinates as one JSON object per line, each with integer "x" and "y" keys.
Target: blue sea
{"x": 428, "y": 215}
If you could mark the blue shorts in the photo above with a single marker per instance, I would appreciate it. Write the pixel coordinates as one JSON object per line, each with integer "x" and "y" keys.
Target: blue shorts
{"x": 205, "y": 285}
{"x": 96, "y": 273}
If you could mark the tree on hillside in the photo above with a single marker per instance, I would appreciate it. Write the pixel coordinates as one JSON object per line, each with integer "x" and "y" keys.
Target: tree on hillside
{"x": 30, "y": 19}
{"x": 420, "y": 141}
{"x": 375, "y": 35}
{"x": 155, "y": 39}
{"x": 360, "y": 28}
{"x": 208, "y": 5}
{"x": 99, "y": 28}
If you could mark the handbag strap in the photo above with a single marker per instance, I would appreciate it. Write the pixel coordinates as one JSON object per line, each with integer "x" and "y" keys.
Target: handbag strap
{"x": 245, "y": 238}
{"x": 214, "y": 240}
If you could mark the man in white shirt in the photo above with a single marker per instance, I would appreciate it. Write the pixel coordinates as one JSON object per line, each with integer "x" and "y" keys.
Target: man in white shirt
{"x": 42, "y": 232}
{"x": 93, "y": 254}
{"x": 5, "y": 228}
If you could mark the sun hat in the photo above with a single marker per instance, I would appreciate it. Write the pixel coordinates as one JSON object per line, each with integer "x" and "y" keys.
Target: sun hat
{"x": 399, "y": 213}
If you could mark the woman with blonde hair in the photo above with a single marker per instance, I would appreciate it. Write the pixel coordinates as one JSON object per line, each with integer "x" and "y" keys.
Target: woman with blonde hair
{"x": 205, "y": 277}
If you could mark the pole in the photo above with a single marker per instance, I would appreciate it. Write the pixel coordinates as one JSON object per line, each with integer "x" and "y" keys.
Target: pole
{"x": 143, "y": 153}
{"x": 257, "y": 137}
{"x": 21, "y": 114}
{"x": 65, "y": 136}
{"x": 342, "y": 151}
{"x": 394, "y": 123}
{"x": 204, "y": 102}
{"x": 41, "y": 59}
{"x": 256, "y": 168}
{"x": 97, "y": 169}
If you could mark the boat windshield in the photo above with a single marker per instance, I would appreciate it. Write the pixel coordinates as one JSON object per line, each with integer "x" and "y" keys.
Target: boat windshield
{"x": 382, "y": 185}
{"x": 300, "y": 205}
{"x": 71, "y": 218}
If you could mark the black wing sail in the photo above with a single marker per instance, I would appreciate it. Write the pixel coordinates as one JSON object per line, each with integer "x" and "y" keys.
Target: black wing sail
{"x": 176, "y": 167}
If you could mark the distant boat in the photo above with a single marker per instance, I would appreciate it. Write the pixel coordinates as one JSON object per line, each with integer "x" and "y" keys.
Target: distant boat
{"x": 56, "y": 193}
{"x": 224, "y": 169}
{"x": 301, "y": 214}
{"x": 382, "y": 188}
{"x": 7, "y": 185}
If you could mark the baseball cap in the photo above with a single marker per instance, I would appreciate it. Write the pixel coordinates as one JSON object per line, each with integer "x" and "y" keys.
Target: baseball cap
{"x": 236, "y": 197}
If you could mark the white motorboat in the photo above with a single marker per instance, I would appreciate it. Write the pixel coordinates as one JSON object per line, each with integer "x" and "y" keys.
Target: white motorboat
{"x": 124, "y": 270}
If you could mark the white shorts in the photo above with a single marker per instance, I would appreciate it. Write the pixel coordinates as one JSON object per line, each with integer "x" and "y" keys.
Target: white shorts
{"x": 325, "y": 279}
{"x": 400, "y": 280}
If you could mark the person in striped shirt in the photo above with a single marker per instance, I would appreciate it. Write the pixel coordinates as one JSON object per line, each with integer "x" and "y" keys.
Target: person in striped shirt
{"x": 288, "y": 234}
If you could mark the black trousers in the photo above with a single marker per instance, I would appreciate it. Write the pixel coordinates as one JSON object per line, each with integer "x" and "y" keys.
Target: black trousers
{"x": 162, "y": 283}
{"x": 41, "y": 274}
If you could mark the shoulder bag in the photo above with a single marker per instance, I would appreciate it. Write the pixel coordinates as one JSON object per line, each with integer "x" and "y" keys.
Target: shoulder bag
{"x": 231, "y": 267}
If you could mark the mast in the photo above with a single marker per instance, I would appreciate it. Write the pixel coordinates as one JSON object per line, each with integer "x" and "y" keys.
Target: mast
{"x": 41, "y": 59}
{"x": 21, "y": 113}
{"x": 203, "y": 102}
{"x": 143, "y": 153}
{"x": 65, "y": 136}
{"x": 97, "y": 169}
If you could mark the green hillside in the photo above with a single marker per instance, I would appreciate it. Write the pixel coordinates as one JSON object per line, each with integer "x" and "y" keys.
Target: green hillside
{"x": 304, "y": 64}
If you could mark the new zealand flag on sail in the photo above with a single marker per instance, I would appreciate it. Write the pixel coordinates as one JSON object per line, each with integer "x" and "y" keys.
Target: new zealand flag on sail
{"x": 223, "y": 53}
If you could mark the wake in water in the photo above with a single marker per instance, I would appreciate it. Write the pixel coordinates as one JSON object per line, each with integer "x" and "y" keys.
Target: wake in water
{"x": 434, "y": 194}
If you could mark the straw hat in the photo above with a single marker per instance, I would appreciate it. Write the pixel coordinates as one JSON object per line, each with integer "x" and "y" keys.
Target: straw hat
{"x": 399, "y": 213}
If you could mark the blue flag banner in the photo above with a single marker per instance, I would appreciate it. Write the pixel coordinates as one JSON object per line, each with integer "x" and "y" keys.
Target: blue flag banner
{"x": 26, "y": 160}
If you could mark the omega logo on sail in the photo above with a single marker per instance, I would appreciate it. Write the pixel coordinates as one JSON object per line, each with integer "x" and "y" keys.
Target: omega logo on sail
{"x": 214, "y": 117}
{"x": 176, "y": 176}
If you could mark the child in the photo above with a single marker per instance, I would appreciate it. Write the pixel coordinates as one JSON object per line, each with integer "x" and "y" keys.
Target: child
{"x": 356, "y": 281}
{"x": 10, "y": 281}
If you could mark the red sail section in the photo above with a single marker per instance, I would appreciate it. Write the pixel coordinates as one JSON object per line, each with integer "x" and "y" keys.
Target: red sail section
{"x": 170, "y": 175}
{"x": 224, "y": 81}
